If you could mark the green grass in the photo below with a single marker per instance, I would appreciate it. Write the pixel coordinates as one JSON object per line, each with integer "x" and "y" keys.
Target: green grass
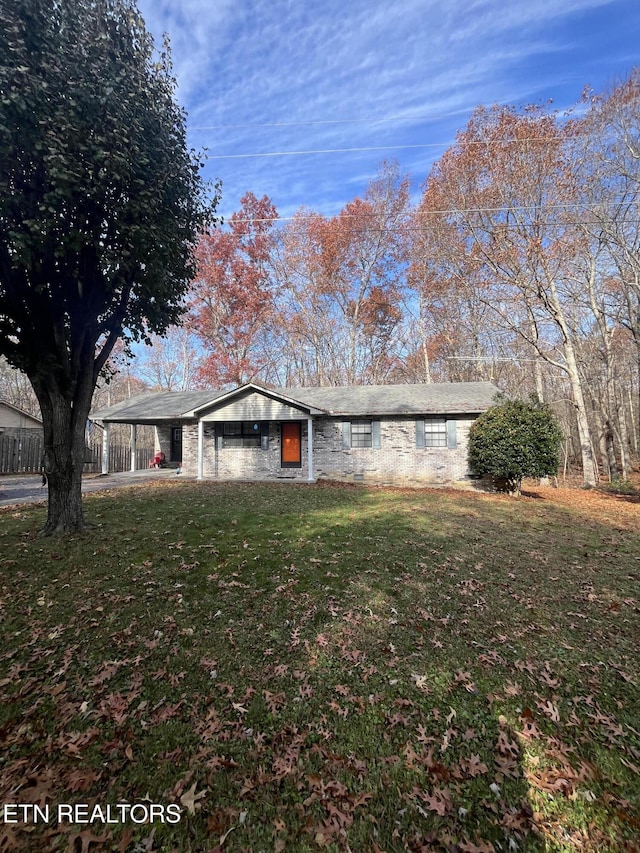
{"x": 331, "y": 667}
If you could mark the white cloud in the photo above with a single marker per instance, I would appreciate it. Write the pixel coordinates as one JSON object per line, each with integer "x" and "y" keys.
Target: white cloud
{"x": 286, "y": 61}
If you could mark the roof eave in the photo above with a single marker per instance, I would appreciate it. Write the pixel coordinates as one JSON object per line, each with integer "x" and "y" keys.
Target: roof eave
{"x": 387, "y": 413}
{"x": 139, "y": 421}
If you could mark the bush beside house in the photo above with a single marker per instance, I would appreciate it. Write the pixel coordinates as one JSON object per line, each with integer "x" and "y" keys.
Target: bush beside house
{"x": 512, "y": 440}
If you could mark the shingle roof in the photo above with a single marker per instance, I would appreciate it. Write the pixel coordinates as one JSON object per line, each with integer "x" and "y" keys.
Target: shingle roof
{"x": 347, "y": 401}
{"x": 434, "y": 398}
{"x": 155, "y": 406}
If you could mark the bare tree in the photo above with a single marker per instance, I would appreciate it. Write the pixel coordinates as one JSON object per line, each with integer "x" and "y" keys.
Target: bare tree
{"x": 505, "y": 185}
{"x": 170, "y": 362}
{"x": 16, "y": 389}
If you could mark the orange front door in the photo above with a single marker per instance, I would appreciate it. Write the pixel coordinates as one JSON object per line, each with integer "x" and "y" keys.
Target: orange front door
{"x": 291, "y": 446}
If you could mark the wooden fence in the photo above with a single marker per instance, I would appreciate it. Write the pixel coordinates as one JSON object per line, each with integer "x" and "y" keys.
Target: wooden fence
{"x": 22, "y": 454}
{"x": 119, "y": 458}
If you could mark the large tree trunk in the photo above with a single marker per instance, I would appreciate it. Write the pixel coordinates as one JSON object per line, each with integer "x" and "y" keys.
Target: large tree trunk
{"x": 612, "y": 464}
{"x": 600, "y": 432}
{"x": 423, "y": 334}
{"x": 625, "y": 445}
{"x": 64, "y": 423}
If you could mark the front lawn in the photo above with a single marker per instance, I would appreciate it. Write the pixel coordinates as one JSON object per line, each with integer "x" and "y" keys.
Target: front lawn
{"x": 323, "y": 667}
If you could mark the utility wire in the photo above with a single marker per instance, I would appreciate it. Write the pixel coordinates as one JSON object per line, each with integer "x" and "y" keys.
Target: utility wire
{"x": 316, "y": 122}
{"x": 425, "y": 229}
{"x": 320, "y": 151}
{"x": 487, "y": 358}
{"x": 574, "y": 206}
{"x": 471, "y": 142}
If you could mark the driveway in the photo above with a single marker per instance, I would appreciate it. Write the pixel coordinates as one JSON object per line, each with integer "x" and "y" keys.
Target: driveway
{"x": 27, "y": 488}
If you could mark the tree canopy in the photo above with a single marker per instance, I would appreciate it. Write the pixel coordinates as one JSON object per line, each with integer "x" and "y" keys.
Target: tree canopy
{"x": 231, "y": 301}
{"x": 101, "y": 204}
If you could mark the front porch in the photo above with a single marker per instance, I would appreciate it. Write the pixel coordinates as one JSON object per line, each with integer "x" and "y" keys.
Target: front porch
{"x": 230, "y": 450}
{"x": 250, "y": 450}
{"x": 133, "y": 455}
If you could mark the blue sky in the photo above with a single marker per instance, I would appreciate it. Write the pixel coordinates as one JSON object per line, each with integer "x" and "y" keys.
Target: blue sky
{"x": 259, "y": 77}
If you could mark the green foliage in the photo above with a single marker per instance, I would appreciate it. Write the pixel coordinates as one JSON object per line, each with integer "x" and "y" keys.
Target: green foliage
{"x": 620, "y": 487}
{"x": 100, "y": 199}
{"x": 101, "y": 204}
{"x": 514, "y": 439}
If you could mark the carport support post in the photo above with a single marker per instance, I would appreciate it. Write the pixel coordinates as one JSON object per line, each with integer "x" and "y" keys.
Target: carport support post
{"x": 200, "y": 449}
{"x": 310, "y": 449}
{"x": 106, "y": 435}
{"x": 133, "y": 447}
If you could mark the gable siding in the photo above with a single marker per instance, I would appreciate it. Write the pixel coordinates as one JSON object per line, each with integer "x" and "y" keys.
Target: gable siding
{"x": 12, "y": 418}
{"x": 254, "y": 407}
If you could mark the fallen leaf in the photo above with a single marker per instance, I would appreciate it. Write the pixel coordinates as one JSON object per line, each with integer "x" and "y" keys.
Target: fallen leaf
{"x": 86, "y": 838}
{"x": 549, "y": 710}
{"x": 190, "y": 798}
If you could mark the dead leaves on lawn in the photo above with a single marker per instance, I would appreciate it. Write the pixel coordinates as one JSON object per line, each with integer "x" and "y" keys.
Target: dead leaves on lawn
{"x": 421, "y": 701}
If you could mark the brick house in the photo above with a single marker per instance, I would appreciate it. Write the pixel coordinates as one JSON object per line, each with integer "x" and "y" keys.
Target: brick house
{"x": 395, "y": 434}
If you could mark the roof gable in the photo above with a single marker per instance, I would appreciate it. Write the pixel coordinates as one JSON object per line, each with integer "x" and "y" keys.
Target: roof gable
{"x": 282, "y": 396}
{"x": 19, "y": 415}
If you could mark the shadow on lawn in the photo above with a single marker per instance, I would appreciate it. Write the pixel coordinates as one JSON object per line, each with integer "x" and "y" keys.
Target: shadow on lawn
{"x": 525, "y": 493}
{"x": 632, "y": 499}
{"x": 394, "y": 669}
{"x": 492, "y": 601}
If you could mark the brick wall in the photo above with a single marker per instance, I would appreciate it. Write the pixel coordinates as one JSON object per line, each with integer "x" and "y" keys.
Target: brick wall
{"x": 240, "y": 463}
{"x": 162, "y": 440}
{"x": 396, "y": 462}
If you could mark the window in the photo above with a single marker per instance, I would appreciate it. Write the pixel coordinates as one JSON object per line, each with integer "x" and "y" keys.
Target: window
{"x": 435, "y": 432}
{"x": 360, "y": 434}
{"x": 241, "y": 434}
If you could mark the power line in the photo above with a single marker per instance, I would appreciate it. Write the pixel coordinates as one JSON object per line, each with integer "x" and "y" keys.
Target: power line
{"x": 425, "y": 229}
{"x": 321, "y": 151}
{"x": 488, "y": 358}
{"x": 575, "y": 207}
{"x": 471, "y": 142}
{"x": 321, "y": 122}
